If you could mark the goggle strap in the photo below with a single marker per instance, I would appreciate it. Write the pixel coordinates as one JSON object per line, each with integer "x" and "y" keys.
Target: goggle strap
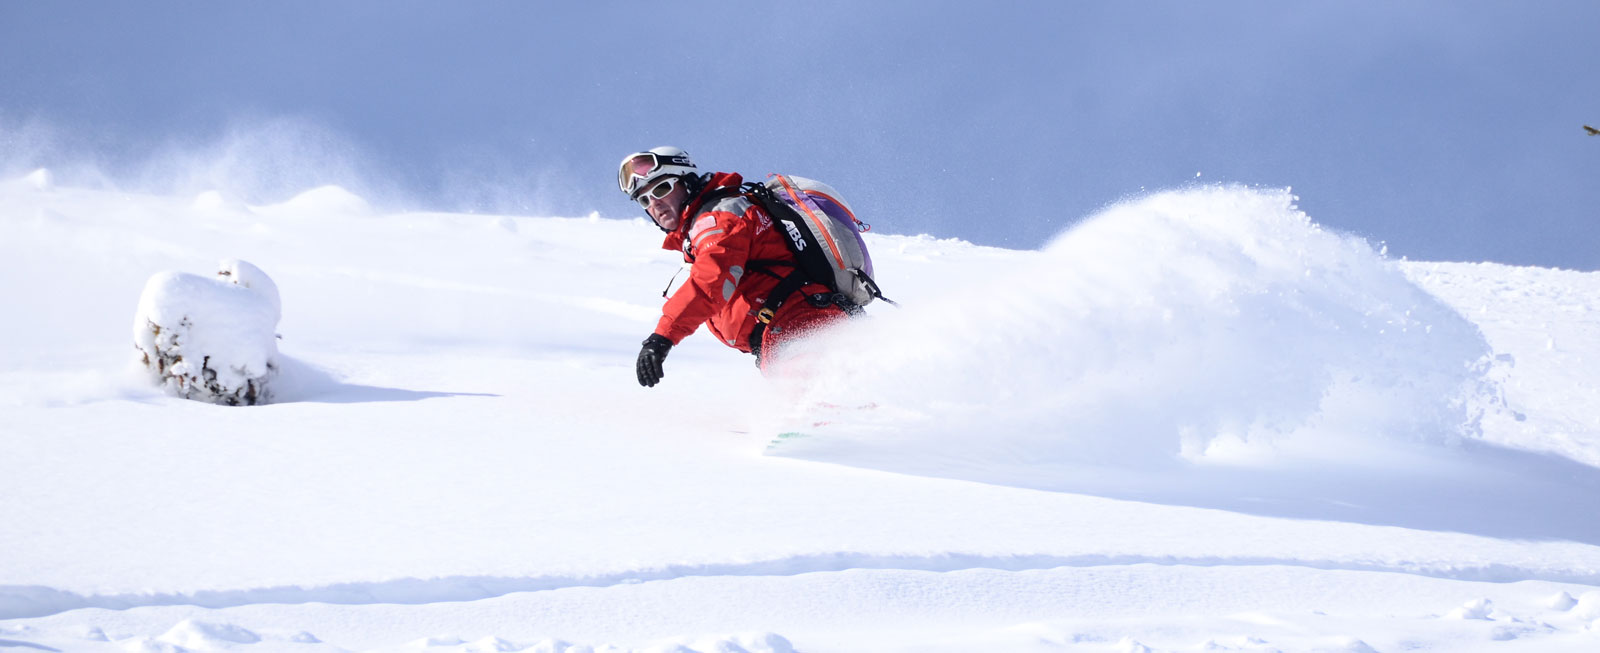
{"x": 629, "y": 170}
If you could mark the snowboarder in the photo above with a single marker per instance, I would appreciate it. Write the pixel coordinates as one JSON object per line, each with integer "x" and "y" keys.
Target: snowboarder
{"x": 736, "y": 258}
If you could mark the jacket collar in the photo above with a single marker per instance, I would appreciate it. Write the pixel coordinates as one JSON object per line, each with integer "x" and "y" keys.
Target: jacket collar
{"x": 718, "y": 183}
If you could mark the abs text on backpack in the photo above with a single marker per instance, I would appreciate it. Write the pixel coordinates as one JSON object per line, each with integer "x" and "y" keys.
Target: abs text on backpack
{"x": 823, "y": 234}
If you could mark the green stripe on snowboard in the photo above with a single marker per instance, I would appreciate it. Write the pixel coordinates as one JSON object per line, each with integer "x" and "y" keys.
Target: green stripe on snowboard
{"x": 786, "y": 436}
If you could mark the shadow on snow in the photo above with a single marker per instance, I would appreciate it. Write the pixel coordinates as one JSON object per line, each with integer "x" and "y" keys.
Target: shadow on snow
{"x": 1475, "y": 488}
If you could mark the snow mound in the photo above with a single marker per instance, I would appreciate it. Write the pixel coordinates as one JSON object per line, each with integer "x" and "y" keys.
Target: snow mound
{"x": 210, "y": 339}
{"x": 150, "y": 645}
{"x": 216, "y": 201}
{"x": 1588, "y": 606}
{"x": 1479, "y": 609}
{"x": 737, "y": 643}
{"x": 202, "y": 635}
{"x": 1214, "y": 325}
{"x": 740, "y": 643}
{"x": 324, "y": 201}
{"x": 1131, "y": 645}
{"x": 1354, "y": 645}
{"x": 40, "y": 179}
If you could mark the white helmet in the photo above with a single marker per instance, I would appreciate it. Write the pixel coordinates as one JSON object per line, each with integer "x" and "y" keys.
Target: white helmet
{"x": 641, "y": 169}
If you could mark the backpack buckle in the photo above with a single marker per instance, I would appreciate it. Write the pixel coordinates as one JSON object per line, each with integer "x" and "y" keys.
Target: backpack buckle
{"x": 824, "y": 300}
{"x": 764, "y": 316}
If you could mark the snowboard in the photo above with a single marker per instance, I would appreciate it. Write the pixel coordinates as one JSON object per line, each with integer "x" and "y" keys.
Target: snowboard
{"x": 817, "y": 421}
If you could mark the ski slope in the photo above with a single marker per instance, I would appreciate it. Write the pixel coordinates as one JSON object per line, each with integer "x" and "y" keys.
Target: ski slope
{"x": 1196, "y": 421}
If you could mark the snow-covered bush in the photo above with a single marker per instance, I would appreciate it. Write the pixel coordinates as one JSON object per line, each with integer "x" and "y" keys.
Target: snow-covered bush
{"x": 210, "y": 339}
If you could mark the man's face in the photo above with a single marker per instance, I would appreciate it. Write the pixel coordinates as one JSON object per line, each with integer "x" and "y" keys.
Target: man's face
{"x": 666, "y": 210}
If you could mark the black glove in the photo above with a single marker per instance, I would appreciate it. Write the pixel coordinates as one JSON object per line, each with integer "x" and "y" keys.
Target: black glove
{"x": 649, "y": 367}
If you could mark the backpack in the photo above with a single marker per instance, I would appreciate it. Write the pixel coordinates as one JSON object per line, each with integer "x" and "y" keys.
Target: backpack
{"x": 825, "y": 237}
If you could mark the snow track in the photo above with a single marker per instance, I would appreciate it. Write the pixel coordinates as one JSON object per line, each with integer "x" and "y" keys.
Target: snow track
{"x": 1176, "y": 607}
{"x": 23, "y": 602}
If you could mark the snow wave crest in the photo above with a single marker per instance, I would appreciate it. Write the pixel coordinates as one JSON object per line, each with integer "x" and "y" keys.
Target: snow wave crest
{"x": 1217, "y": 325}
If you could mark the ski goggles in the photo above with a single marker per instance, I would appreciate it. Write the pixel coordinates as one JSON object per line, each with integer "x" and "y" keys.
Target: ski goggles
{"x": 641, "y": 165}
{"x": 658, "y": 191}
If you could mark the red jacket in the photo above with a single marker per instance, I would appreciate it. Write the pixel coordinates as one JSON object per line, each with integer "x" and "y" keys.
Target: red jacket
{"x": 726, "y": 243}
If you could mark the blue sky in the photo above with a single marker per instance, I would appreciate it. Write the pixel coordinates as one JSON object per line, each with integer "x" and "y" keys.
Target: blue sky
{"x": 1448, "y": 130}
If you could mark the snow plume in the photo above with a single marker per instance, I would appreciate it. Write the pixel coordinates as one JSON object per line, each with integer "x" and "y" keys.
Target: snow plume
{"x": 1216, "y": 325}
{"x": 251, "y": 160}
{"x": 29, "y": 146}
{"x": 260, "y": 161}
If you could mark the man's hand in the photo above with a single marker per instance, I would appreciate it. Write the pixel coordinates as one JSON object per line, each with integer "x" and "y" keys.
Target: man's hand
{"x": 650, "y": 358}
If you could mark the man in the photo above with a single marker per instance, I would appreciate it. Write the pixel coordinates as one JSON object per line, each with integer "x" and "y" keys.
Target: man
{"x": 737, "y": 261}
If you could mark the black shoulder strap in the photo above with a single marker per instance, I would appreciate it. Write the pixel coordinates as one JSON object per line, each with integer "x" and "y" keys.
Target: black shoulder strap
{"x": 802, "y": 244}
{"x": 787, "y": 286}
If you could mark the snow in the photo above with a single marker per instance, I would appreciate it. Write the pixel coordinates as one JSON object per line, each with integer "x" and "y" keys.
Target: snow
{"x": 322, "y": 201}
{"x": 1543, "y": 323}
{"x": 1480, "y": 609}
{"x": 1195, "y": 421}
{"x": 1219, "y": 323}
{"x": 1561, "y": 601}
{"x": 216, "y": 201}
{"x": 1588, "y": 606}
{"x": 41, "y": 179}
